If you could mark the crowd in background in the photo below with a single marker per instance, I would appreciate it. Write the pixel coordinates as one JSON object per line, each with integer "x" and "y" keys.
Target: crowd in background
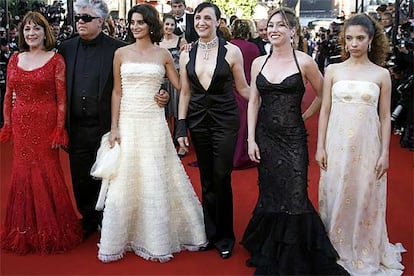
{"x": 322, "y": 44}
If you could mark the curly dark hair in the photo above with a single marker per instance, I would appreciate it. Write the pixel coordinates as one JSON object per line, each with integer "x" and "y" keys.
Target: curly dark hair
{"x": 379, "y": 44}
{"x": 38, "y": 19}
{"x": 151, "y": 17}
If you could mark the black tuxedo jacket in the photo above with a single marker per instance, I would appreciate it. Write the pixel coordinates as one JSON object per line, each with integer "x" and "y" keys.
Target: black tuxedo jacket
{"x": 106, "y": 48}
{"x": 260, "y": 44}
{"x": 190, "y": 33}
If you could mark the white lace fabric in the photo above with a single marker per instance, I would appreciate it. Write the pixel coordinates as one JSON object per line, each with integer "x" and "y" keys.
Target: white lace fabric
{"x": 151, "y": 207}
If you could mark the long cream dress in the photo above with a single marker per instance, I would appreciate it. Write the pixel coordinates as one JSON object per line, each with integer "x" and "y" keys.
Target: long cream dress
{"x": 352, "y": 202}
{"x": 151, "y": 207}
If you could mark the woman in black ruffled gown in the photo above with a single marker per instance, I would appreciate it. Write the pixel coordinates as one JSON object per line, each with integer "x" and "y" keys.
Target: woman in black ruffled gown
{"x": 285, "y": 235}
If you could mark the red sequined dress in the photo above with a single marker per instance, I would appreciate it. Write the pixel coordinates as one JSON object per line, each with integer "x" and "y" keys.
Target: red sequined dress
{"x": 39, "y": 214}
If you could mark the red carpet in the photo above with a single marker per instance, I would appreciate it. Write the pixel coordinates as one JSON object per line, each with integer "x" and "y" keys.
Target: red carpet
{"x": 83, "y": 260}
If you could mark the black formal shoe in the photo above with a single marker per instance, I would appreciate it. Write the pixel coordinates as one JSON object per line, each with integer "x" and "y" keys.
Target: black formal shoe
{"x": 225, "y": 254}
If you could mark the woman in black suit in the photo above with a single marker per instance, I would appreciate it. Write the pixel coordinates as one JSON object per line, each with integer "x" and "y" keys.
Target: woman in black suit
{"x": 209, "y": 108}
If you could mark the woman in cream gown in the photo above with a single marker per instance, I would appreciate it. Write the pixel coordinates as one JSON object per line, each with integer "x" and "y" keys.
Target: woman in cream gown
{"x": 352, "y": 151}
{"x": 151, "y": 207}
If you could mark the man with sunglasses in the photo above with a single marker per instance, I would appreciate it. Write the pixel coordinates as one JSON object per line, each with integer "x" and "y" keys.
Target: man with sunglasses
{"x": 89, "y": 82}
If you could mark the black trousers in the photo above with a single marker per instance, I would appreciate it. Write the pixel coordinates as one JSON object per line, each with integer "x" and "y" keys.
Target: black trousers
{"x": 84, "y": 144}
{"x": 215, "y": 148}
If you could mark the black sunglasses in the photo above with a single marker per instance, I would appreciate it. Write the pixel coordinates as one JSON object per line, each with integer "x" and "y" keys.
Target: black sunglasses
{"x": 85, "y": 17}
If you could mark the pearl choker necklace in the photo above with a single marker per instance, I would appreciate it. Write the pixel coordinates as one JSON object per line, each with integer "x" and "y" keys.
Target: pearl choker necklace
{"x": 208, "y": 46}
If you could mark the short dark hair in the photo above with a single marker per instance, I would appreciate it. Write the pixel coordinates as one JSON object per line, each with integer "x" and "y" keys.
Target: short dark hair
{"x": 151, "y": 17}
{"x": 40, "y": 20}
{"x": 381, "y": 8}
{"x": 204, "y": 5}
{"x": 178, "y": 2}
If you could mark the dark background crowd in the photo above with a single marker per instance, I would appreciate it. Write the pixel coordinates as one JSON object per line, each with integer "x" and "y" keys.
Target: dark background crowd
{"x": 320, "y": 43}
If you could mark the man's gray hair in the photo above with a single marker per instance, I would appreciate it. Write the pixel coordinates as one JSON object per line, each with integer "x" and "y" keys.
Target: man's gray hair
{"x": 98, "y": 6}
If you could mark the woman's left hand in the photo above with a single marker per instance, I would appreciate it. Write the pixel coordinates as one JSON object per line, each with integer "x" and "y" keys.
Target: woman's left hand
{"x": 382, "y": 166}
{"x": 162, "y": 98}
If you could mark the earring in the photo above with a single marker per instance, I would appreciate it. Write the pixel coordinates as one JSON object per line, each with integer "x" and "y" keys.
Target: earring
{"x": 369, "y": 47}
{"x": 346, "y": 49}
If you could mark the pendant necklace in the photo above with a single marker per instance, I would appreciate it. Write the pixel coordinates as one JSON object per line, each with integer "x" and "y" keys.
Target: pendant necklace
{"x": 207, "y": 46}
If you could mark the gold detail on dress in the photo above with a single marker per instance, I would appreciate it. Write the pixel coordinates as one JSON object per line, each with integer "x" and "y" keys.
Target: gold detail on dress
{"x": 365, "y": 251}
{"x": 348, "y": 98}
{"x": 339, "y": 230}
{"x": 367, "y": 224}
{"x": 350, "y": 133}
{"x": 366, "y": 97}
{"x": 360, "y": 264}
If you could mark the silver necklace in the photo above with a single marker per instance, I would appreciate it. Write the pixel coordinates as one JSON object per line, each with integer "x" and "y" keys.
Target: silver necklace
{"x": 207, "y": 46}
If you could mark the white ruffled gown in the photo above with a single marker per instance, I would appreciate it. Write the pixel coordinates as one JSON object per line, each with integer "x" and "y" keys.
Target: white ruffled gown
{"x": 352, "y": 202}
{"x": 151, "y": 207}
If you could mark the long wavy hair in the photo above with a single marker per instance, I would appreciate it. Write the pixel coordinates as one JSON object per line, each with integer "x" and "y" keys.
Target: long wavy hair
{"x": 38, "y": 19}
{"x": 379, "y": 44}
{"x": 151, "y": 17}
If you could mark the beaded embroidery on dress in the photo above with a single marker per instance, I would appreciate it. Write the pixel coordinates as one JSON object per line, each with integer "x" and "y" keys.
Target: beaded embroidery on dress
{"x": 151, "y": 207}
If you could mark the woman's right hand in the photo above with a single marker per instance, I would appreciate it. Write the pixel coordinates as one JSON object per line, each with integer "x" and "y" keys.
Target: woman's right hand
{"x": 254, "y": 152}
{"x": 321, "y": 158}
{"x": 114, "y": 137}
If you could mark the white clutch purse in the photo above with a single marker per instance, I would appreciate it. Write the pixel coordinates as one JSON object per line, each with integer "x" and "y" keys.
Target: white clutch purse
{"x": 105, "y": 167}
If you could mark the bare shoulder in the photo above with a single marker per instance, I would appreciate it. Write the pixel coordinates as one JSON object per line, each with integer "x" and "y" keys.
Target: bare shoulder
{"x": 383, "y": 72}
{"x": 122, "y": 50}
{"x": 160, "y": 51}
{"x": 258, "y": 62}
{"x": 332, "y": 68}
{"x": 233, "y": 50}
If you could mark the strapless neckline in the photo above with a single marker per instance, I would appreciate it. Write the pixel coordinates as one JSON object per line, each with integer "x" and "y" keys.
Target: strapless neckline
{"x": 356, "y": 81}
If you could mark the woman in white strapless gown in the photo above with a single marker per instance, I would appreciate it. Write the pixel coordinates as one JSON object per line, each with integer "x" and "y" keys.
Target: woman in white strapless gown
{"x": 151, "y": 207}
{"x": 353, "y": 141}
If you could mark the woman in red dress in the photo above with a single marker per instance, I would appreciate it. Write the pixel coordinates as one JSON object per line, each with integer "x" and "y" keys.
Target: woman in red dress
{"x": 39, "y": 215}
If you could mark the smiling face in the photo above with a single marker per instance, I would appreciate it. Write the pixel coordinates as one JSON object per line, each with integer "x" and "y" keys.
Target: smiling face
{"x": 89, "y": 30}
{"x": 139, "y": 28}
{"x": 357, "y": 40}
{"x": 34, "y": 35}
{"x": 206, "y": 23}
{"x": 278, "y": 32}
{"x": 169, "y": 26}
